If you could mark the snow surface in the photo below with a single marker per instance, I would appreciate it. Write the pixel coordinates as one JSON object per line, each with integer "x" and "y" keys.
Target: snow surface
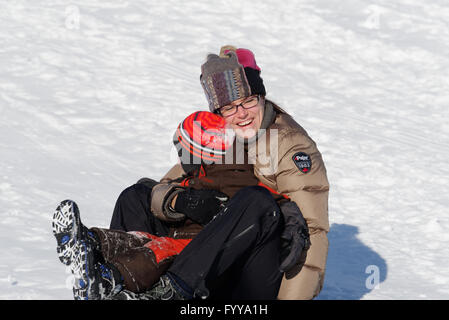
{"x": 91, "y": 92}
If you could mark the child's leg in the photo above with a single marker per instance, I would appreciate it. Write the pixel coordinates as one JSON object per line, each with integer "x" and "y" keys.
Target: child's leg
{"x": 141, "y": 258}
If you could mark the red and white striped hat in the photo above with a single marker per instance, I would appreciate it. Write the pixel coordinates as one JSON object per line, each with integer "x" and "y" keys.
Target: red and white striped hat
{"x": 202, "y": 138}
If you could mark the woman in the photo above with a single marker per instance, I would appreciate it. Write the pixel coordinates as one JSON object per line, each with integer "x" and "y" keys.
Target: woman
{"x": 285, "y": 159}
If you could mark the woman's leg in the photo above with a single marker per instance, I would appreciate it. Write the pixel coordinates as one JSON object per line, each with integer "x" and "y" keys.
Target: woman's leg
{"x": 242, "y": 244}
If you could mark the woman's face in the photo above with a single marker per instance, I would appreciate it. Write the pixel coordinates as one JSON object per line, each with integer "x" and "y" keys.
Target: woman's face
{"x": 246, "y": 122}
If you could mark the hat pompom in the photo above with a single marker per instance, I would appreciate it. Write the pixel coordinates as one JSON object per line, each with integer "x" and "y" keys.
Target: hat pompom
{"x": 224, "y": 50}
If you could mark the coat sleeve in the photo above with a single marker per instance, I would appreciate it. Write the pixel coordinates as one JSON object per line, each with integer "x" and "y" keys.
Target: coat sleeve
{"x": 310, "y": 191}
{"x": 163, "y": 193}
{"x": 175, "y": 172}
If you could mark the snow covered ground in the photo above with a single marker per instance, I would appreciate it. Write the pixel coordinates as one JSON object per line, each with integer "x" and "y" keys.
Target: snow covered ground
{"x": 91, "y": 92}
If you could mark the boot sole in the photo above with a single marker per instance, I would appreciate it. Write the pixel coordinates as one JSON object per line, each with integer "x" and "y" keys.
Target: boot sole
{"x": 72, "y": 247}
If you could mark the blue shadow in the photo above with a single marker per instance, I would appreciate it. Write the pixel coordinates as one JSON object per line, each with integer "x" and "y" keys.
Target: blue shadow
{"x": 353, "y": 269}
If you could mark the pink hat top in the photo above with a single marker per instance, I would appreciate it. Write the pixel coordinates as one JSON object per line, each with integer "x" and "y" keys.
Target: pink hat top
{"x": 246, "y": 58}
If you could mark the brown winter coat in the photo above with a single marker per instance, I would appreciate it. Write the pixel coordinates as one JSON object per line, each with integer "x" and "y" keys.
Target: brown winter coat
{"x": 309, "y": 191}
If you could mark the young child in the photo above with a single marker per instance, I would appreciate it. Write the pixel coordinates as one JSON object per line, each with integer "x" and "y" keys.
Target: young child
{"x": 106, "y": 262}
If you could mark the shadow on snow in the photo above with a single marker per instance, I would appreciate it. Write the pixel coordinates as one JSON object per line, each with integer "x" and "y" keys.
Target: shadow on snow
{"x": 353, "y": 269}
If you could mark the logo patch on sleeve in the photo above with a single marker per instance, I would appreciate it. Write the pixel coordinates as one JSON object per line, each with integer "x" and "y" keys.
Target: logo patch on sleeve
{"x": 302, "y": 161}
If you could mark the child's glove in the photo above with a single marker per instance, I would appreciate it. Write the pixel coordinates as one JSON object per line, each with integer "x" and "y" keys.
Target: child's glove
{"x": 200, "y": 205}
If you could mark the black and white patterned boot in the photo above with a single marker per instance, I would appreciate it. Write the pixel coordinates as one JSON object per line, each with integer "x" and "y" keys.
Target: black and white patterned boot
{"x": 79, "y": 249}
